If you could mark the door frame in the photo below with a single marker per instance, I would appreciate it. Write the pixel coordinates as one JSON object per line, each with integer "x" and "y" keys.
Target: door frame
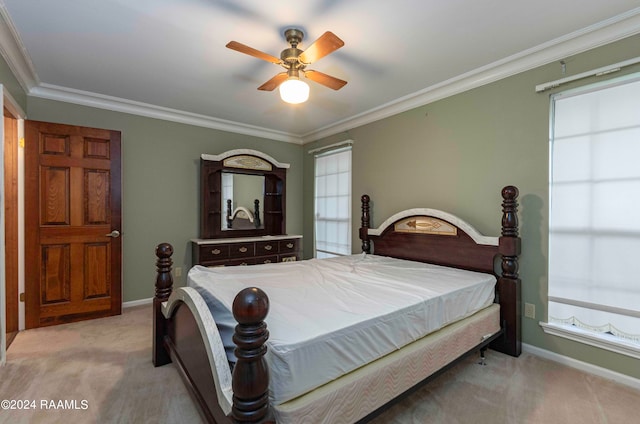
{"x": 7, "y": 101}
{"x": 12, "y": 296}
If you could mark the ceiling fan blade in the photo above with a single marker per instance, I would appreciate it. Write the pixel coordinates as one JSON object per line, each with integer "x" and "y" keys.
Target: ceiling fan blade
{"x": 327, "y": 43}
{"x": 324, "y": 79}
{"x": 239, "y": 47}
{"x": 274, "y": 82}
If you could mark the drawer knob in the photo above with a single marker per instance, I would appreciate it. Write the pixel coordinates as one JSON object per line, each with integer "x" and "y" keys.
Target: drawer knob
{"x": 215, "y": 251}
{"x": 290, "y": 245}
{"x": 242, "y": 249}
{"x": 268, "y": 247}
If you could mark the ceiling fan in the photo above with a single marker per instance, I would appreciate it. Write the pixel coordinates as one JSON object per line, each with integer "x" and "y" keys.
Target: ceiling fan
{"x": 295, "y": 61}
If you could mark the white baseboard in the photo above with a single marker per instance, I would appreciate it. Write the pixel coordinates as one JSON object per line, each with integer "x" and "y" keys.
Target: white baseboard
{"x": 138, "y": 302}
{"x": 583, "y": 366}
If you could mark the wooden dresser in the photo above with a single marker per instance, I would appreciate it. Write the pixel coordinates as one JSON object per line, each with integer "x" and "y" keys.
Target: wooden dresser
{"x": 246, "y": 250}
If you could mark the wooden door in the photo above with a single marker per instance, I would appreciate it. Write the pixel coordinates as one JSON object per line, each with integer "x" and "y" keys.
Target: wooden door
{"x": 11, "y": 223}
{"x": 72, "y": 223}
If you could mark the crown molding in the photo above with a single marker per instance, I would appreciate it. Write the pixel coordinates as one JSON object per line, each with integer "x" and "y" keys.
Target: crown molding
{"x": 85, "y": 98}
{"x": 597, "y": 35}
{"x": 14, "y": 53}
{"x": 605, "y": 32}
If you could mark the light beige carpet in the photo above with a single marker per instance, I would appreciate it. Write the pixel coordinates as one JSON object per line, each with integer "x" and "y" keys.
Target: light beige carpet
{"x": 107, "y": 364}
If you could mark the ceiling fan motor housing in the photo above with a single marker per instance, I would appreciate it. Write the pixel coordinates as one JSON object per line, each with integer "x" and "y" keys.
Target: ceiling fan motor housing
{"x": 290, "y": 55}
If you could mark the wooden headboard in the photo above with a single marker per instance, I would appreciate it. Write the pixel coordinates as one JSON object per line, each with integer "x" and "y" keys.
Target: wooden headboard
{"x": 433, "y": 236}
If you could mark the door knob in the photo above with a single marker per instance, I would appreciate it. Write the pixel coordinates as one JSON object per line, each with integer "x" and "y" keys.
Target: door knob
{"x": 114, "y": 234}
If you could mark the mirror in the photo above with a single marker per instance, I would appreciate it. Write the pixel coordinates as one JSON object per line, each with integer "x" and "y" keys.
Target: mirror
{"x": 242, "y": 201}
{"x": 242, "y": 176}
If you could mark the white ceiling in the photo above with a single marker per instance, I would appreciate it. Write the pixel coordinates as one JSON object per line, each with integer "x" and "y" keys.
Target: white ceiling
{"x": 167, "y": 58}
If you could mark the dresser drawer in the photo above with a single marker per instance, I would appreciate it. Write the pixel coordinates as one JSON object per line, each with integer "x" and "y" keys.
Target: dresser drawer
{"x": 241, "y": 250}
{"x": 241, "y": 262}
{"x": 267, "y": 260}
{"x": 289, "y": 257}
{"x": 288, "y": 246}
{"x": 266, "y": 247}
{"x": 213, "y": 252}
{"x": 246, "y": 251}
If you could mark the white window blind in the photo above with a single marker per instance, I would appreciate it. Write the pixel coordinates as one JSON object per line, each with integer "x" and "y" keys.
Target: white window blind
{"x": 333, "y": 203}
{"x": 594, "y": 222}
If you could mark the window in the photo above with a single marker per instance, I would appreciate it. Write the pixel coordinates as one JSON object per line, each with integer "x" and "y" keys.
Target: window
{"x": 333, "y": 203}
{"x": 594, "y": 220}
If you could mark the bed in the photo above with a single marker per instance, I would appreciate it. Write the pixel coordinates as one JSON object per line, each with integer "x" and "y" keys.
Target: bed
{"x": 350, "y": 362}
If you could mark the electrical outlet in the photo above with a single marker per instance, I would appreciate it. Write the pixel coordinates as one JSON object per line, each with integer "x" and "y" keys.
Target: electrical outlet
{"x": 530, "y": 310}
{"x": 177, "y": 272}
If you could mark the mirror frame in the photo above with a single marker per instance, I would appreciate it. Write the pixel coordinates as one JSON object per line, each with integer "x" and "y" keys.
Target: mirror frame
{"x": 242, "y": 161}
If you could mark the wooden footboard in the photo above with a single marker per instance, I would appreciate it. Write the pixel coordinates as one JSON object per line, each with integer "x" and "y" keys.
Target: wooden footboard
{"x": 178, "y": 334}
{"x": 177, "y": 337}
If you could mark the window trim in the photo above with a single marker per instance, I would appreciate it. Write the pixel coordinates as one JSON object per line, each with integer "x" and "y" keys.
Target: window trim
{"x": 566, "y": 331}
{"x": 589, "y": 338}
{"x": 322, "y": 152}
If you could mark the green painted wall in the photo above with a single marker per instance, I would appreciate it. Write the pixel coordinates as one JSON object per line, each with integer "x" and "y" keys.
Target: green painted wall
{"x": 457, "y": 153}
{"x": 454, "y": 154}
{"x": 11, "y": 84}
{"x": 160, "y": 196}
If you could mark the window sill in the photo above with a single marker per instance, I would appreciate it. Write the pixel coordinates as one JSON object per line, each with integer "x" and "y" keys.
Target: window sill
{"x": 603, "y": 341}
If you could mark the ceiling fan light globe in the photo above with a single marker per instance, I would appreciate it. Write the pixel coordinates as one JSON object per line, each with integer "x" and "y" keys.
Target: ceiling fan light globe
{"x": 294, "y": 91}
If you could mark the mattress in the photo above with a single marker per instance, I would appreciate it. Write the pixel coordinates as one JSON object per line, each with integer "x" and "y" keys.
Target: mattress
{"x": 329, "y": 317}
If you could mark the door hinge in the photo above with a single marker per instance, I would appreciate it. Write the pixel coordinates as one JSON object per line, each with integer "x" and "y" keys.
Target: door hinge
{"x": 21, "y": 297}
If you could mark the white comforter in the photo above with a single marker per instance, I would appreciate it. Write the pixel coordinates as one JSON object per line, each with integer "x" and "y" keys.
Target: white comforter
{"x": 330, "y": 316}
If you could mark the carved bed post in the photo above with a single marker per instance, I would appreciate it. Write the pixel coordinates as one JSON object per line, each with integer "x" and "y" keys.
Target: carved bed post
{"x": 256, "y": 213}
{"x": 508, "y": 283}
{"x": 164, "y": 285}
{"x": 366, "y": 224}
{"x": 229, "y": 213}
{"x": 250, "y": 381}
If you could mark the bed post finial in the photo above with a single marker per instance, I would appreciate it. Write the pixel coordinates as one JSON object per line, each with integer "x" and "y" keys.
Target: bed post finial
{"x": 366, "y": 224}
{"x": 510, "y": 211}
{"x": 164, "y": 286}
{"x": 256, "y": 213}
{"x": 509, "y": 284}
{"x": 250, "y": 382}
{"x": 164, "y": 279}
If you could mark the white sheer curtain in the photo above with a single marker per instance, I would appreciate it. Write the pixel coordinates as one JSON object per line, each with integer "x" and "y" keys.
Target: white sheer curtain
{"x": 333, "y": 203}
{"x": 594, "y": 227}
